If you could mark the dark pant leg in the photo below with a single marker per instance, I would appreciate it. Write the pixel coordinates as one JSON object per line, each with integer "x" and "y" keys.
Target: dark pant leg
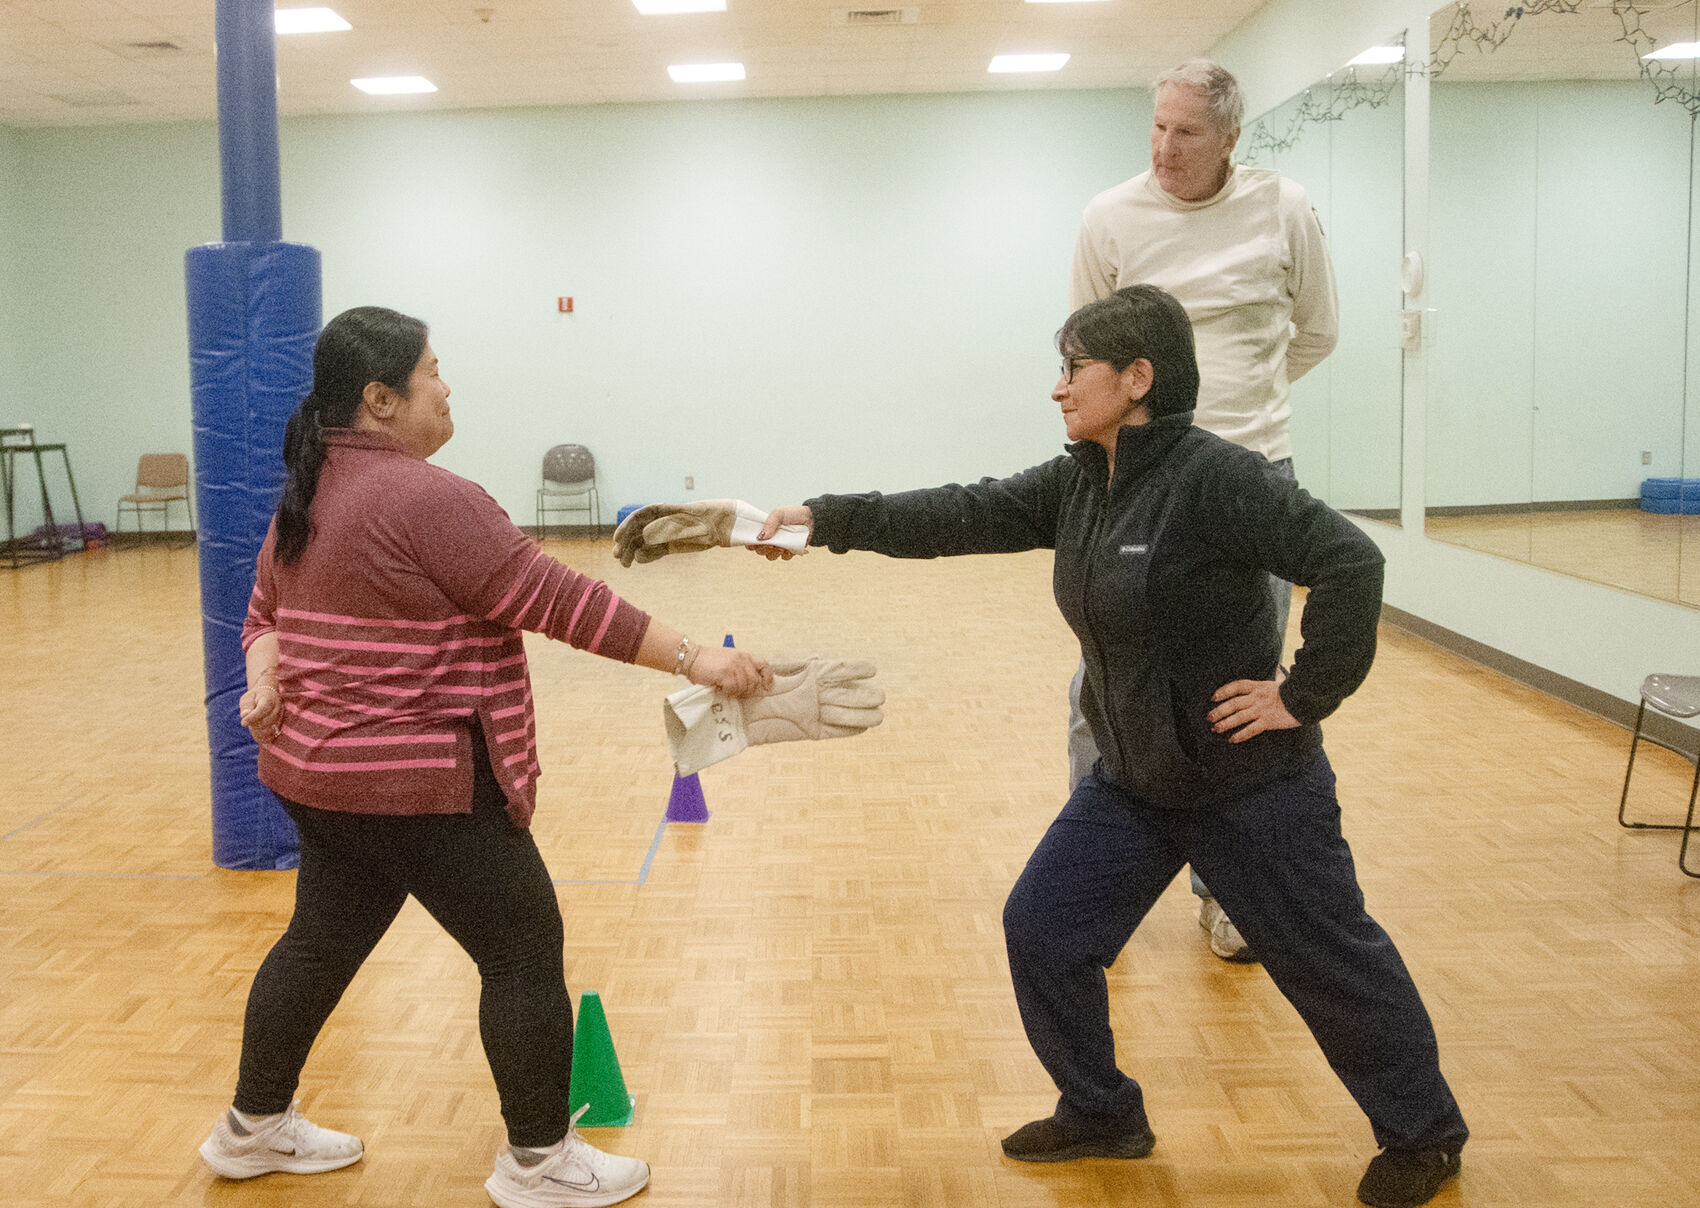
{"x": 1282, "y": 870}
{"x": 346, "y": 895}
{"x": 1087, "y": 885}
{"x": 484, "y": 880}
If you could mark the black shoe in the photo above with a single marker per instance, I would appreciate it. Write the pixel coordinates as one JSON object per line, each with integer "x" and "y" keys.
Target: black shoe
{"x": 1404, "y": 1178}
{"x": 1047, "y": 1141}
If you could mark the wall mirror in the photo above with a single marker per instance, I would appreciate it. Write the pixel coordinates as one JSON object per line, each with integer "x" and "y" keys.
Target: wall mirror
{"x": 1562, "y": 343}
{"x": 1343, "y": 139}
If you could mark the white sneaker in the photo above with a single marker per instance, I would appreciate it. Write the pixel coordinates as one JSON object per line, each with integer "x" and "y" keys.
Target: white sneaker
{"x": 289, "y": 1142}
{"x": 575, "y": 1175}
{"x": 1225, "y": 938}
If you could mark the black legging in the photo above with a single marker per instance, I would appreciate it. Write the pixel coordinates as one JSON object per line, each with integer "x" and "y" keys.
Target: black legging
{"x": 483, "y": 879}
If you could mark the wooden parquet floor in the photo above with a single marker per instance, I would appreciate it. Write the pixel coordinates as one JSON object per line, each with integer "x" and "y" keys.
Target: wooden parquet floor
{"x": 808, "y": 993}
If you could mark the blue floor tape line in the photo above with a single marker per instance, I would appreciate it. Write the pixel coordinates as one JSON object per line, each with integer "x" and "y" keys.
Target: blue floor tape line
{"x": 643, "y": 873}
{"x": 32, "y": 822}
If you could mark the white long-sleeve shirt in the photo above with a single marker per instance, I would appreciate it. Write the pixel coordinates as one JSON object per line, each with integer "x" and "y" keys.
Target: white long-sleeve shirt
{"x": 1251, "y": 268}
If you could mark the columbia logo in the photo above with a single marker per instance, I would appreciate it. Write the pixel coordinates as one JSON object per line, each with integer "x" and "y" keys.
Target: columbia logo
{"x": 1136, "y": 549}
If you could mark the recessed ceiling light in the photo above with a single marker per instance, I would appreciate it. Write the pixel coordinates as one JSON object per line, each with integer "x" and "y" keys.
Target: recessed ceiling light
{"x": 1676, "y": 50}
{"x": 705, "y": 73}
{"x": 661, "y": 8}
{"x": 394, "y": 85}
{"x": 1377, "y": 55}
{"x": 308, "y": 21}
{"x": 1027, "y": 63}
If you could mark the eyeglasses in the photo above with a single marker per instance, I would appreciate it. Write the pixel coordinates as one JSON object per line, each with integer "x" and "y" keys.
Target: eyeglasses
{"x": 1071, "y": 365}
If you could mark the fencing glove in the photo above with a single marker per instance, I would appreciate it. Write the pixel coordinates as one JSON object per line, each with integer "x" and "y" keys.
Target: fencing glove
{"x": 820, "y": 698}
{"x": 686, "y": 528}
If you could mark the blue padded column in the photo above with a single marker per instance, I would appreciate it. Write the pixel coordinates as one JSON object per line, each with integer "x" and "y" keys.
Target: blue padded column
{"x": 247, "y": 121}
{"x": 254, "y": 316}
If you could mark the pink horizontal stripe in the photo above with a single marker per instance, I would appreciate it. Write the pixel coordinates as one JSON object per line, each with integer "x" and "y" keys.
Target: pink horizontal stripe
{"x": 308, "y": 740}
{"x": 515, "y": 758}
{"x": 542, "y": 582}
{"x": 549, "y": 609}
{"x": 519, "y": 582}
{"x": 510, "y": 735}
{"x": 370, "y": 765}
{"x": 331, "y": 618}
{"x": 395, "y": 647}
{"x": 578, "y": 611}
{"x": 321, "y": 692}
{"x": 396, "y": 739}
{"x": 607, "y": 620}
{"x": 487, "y": 690}
{"x": 500, "y": 714}
{"x": 435, "y": 669}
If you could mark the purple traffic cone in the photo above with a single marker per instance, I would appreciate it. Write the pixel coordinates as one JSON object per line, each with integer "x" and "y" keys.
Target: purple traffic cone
{"x": 685, "y": 802}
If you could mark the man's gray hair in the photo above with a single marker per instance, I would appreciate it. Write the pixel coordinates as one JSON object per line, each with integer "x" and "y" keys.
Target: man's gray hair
{"x": 1221, "y": 91}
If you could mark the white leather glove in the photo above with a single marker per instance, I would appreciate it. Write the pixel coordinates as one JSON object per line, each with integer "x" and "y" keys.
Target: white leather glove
{"x": 820, "y": 698}
{"x": 686, "y": 528}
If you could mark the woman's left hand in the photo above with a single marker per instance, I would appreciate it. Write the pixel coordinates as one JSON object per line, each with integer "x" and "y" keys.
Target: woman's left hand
{"x": 1249, "y": 707}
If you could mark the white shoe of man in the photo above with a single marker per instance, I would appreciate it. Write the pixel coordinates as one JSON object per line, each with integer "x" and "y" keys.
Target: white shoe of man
{"x": 288, "y": 1143}
{"x": 573, "y": 1174}
{"x": 1225, "y": 938}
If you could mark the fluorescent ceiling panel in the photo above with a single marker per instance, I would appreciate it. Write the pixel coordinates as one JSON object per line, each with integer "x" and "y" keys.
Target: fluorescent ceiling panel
{"x": 394, "y": 85}
{"x": 662, "y": 8}
{"x": 705, "y": 73}
{"x": 308, "y": 21}
{"x": 1014, "y": 63}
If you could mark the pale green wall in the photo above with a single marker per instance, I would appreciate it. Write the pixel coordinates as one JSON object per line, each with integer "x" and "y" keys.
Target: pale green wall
{"x": 1559, "y": 226}
{"x": 10, "y": 196}
{"x": 777, "y": 298}
{"x": 104, "y": 367}
{"x": 1600, "y": 636}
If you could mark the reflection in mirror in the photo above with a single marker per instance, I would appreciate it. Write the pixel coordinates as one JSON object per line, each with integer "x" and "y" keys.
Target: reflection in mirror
{"x": 1560, "y": 344}
{"x": 1343, "y": 139}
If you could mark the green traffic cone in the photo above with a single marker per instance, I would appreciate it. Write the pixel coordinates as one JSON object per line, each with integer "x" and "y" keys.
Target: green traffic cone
{"x": 596, "y": 1070}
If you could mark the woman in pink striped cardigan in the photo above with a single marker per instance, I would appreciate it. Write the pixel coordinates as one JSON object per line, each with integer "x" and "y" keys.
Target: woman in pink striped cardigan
{"x": 388, "y": 690}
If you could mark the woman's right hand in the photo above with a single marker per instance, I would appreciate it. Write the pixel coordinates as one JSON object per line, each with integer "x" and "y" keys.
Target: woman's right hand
{"x": 728, "y": 670}
{"x": 261, "y": 710}
{"x": 795, "y": 514}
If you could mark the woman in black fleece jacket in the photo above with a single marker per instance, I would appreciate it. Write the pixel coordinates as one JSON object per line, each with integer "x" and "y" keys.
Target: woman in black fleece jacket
{"x": 1165, "y": 536}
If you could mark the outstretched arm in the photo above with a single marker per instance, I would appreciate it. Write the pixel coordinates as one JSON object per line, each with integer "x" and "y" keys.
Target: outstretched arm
{"x": 719, "y": 667}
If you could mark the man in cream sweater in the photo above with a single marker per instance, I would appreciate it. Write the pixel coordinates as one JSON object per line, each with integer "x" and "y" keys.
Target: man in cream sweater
{"x": 1243, "y": 252}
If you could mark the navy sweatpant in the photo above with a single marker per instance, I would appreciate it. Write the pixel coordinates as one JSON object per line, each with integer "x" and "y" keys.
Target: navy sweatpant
{"x": 1276, "y": 861}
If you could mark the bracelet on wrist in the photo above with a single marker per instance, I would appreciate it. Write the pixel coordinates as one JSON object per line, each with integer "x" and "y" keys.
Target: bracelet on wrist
{"x": 679, "y": 659}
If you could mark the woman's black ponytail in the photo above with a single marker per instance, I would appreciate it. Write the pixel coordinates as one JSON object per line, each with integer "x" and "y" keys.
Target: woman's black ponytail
{"x": 359, "y": 346}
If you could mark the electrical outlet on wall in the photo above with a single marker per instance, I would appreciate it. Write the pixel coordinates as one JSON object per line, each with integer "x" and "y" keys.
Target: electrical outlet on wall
{"x": 690, "y": 482}
{"x": 1646, "y": 457}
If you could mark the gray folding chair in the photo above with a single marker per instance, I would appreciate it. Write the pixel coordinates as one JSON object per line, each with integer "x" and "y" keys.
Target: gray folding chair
{"x": 569, "y": 484}
{"x": 1675, "y": 696}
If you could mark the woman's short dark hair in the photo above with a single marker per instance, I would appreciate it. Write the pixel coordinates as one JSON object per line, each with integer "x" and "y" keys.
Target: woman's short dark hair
{"x": 1139, "y": 322}
{"x": 359, "y": 346}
